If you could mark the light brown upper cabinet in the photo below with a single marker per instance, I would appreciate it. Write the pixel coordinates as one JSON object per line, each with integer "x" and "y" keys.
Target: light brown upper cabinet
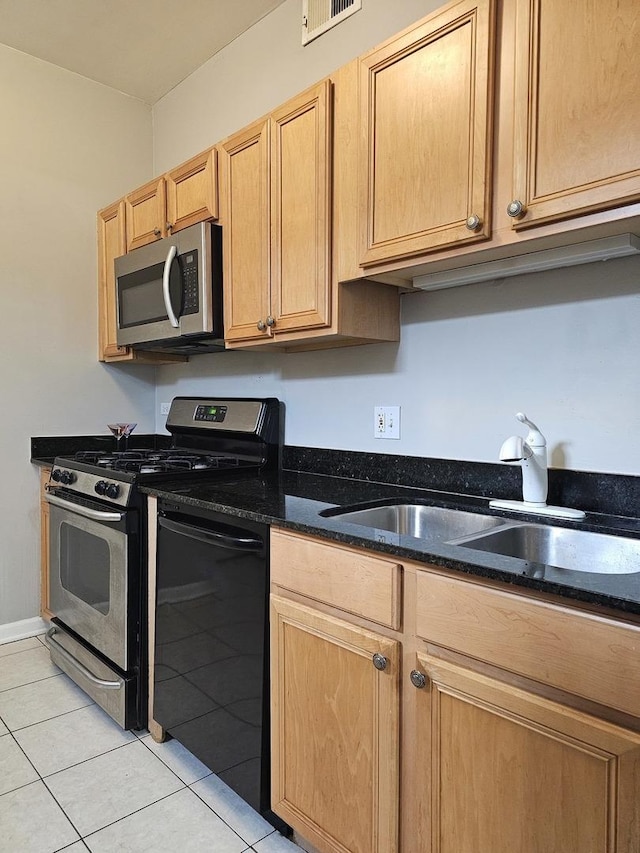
{"x": 111, "y": 244}
{"x": 426, "y": 106}
{"x": 192, "y": 191}
{"x": 184, "y": 196}
{"x": 288, "y": 190}
{"x": 276, "y": 202}
{"x": 577, "y": 110}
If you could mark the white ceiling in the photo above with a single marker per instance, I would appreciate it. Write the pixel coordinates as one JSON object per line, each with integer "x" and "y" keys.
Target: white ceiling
{"x": 141, "y": 47}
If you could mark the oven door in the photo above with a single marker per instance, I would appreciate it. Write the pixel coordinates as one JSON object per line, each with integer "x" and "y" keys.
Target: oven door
{"x": 94, "y": 579}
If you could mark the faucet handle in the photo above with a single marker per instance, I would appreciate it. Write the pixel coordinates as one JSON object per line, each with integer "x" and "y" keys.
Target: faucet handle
{"x": 525, "y": 420}
{"x": 535, "y": 437}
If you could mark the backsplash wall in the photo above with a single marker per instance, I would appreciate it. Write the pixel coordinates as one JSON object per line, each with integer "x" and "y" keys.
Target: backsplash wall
{"x": 560, "y": 346}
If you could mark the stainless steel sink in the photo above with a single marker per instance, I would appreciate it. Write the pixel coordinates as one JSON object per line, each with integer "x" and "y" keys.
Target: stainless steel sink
{"x": 433, "y": 522}
{"x": 563, "y": 548}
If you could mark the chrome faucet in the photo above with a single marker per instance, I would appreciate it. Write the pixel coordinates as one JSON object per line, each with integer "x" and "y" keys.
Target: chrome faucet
{"x": 531, "y": 454}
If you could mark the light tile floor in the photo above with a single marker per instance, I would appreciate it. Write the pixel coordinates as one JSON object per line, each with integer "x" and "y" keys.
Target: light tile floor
{"x": 72, "y": 780}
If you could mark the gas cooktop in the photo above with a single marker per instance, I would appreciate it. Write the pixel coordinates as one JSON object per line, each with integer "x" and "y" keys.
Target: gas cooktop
{"x": 210, "y": 437}
{"x": 150, "y": 461}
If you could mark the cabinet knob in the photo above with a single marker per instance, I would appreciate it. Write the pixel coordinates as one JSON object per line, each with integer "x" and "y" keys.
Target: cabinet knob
{"x": 515, "y": 208}
{"x": 271, "y": 321}
{"x": 380, "y": 661}
{"x": 261, "y": 325}
{"x": 418, "y": 679}
{"x": 169, "y": 226}
{"x": 157, "y": 232}
{"x": 473, "y": 222}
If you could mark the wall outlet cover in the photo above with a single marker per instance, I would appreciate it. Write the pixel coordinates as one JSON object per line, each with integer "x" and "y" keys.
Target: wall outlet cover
{"x": 386, "y": 422}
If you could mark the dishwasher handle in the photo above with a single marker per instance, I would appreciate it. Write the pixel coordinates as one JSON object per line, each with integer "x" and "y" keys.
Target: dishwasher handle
{"x": 243, "y": 542}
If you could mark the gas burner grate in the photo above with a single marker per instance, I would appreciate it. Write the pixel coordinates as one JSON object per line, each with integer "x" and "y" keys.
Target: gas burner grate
{"x": 150, "y": 461}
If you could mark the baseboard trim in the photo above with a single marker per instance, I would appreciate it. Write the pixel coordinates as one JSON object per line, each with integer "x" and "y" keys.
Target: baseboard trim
{"x": 13, "y": 631}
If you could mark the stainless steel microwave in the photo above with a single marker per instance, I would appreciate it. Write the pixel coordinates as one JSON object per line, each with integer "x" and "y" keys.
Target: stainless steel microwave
{"x": 169, "y": 293}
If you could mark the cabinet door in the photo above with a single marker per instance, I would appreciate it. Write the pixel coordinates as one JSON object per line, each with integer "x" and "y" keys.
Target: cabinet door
{"x": 301, "y": 133}
{"x": 334, "y": 731}
{"x": 500, "y": 770}
{"x": 426, "y": 110}
{"x": 111, "y": 244}
{"x": 146, "y": 214}
{"x": 45, "y": 612}
{"x": 244, "y": 190}
{"x": 577, "y": 111}
{"x": 192, "y": 192}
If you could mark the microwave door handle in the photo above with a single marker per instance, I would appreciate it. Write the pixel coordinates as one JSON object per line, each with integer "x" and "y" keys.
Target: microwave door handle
{"x": 173, "y": 251}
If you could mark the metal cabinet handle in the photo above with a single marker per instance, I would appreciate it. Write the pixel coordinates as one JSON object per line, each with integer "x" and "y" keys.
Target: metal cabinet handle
{"x": 418, "y": 679}
{"x": 271, "y": 321}
{"x": 473, "y": 222}
{"x": 157, "y": 232}
{"x": 515, "y": 208}
{"x": 261, "y": 325}
{"x": 380, "y": 661}
{"x": 169, "y": 226}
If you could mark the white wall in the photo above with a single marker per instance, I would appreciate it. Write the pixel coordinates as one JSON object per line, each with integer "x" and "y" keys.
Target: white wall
{"x": 68, "y": 147}
{"x": 263, "y": 68}
{"x": 562, "y": 346}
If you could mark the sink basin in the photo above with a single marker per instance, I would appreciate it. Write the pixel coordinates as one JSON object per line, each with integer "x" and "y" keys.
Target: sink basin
{"x": 418, "y": 520}
{"x": 576, "y": 550}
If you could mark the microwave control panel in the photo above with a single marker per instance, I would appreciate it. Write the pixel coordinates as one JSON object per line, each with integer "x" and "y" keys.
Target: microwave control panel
{"x": 189, "y": 267}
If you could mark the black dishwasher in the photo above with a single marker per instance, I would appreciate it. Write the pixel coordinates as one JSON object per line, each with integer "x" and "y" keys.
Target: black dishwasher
{"x": 211, "y": 671}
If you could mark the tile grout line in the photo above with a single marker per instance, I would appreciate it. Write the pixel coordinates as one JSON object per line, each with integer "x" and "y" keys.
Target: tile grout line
{"x": 188, "y": 786}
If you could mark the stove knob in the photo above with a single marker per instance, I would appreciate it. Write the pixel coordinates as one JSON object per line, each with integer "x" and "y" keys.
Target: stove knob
{"x": 101, "y": 487}
{"x": 56, "y": 475}
{"x": 113, "y": 490}
{"x": 67, "y": 477}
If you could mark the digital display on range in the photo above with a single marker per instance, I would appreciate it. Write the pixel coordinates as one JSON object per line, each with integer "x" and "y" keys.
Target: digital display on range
{"x": 211, "y": 413}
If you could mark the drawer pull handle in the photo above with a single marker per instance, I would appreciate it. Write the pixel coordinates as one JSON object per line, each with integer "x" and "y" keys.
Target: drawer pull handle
{"x": 380, "y": 661}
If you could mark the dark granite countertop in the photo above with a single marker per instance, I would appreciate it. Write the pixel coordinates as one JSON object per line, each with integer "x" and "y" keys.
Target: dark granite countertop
{"x": 294, "y": 500}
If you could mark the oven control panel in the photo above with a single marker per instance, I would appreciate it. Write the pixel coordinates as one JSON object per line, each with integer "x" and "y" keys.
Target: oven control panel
{"x": 215, "y": 414}
{"x": 91, "y": 485}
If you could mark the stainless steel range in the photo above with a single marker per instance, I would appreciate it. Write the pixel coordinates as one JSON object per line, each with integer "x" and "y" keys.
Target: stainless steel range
{"x": 98, "y": 533}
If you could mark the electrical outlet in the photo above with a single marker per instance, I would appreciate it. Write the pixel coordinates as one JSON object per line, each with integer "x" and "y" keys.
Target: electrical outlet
{"x": 164, "y": 408}
{"x": 386, "y": 422}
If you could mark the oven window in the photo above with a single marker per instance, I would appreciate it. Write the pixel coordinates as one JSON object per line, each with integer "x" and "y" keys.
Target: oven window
{"x": 85, "y": 566}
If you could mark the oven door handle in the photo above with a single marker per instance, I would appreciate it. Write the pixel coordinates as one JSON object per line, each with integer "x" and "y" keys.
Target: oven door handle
{"x": 85, "y": 511}
{"x": 236, "y": 543}
{"x": 99, "y": 682}
{"x": 166, "y": 295}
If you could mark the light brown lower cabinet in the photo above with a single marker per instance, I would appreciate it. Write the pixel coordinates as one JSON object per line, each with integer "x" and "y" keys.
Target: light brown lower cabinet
{"x": 45, "y": 612}
{"x": 335, "y": 713}
{"x": 511, "y": 721}
{"x": 501, "y": 769}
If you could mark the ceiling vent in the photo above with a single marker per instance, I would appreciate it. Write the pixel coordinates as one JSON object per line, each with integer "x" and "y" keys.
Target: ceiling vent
{"x": 318, "y": 16}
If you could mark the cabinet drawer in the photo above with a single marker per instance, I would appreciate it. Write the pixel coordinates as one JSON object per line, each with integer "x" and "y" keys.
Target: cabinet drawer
{"x": 351, "y": 580}
{"x": 587, "y": 655}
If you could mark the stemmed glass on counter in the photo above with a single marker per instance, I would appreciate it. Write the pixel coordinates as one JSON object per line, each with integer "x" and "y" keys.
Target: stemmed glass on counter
{"x": 121, "y": 431}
